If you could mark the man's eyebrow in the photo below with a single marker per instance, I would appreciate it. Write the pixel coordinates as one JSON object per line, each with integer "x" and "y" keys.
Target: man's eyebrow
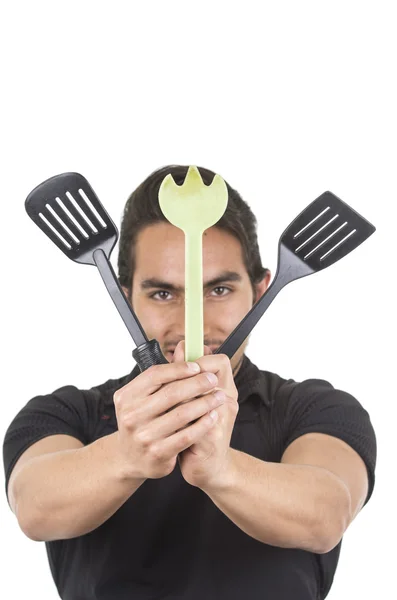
{"x": 223, "y": 277}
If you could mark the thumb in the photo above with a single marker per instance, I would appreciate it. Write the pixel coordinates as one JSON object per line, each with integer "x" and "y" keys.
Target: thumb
{"x": 179, "y": 353}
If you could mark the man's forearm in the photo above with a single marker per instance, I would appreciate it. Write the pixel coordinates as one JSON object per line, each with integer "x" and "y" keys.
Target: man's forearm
{"x": 72, "y": 492}
{"x": 284, "y": 505}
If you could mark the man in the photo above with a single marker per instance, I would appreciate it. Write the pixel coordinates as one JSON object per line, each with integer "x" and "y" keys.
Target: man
{"x": 139, "y": 493}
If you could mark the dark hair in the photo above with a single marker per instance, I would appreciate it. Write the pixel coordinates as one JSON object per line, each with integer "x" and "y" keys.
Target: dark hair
{"x": 142, "y": 209}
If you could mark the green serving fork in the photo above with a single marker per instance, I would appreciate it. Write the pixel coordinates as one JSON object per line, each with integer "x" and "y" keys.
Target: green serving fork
{"x": 193, "y": 207}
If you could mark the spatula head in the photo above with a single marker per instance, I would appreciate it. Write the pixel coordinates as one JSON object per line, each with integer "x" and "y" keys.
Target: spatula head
{"x": 193, "y": 206}
{"x": 68, "y": 211}
{"x": 325, "y": 232}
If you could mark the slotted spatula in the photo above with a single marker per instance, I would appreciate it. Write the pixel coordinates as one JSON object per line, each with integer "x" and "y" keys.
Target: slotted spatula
{"x": 326, "y": 231}
{"x": 193, "y": 207}
{"x": 67, "y": 210}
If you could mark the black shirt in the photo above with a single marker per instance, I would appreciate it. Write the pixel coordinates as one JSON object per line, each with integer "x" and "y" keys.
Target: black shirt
{"x": 169, "y": 541}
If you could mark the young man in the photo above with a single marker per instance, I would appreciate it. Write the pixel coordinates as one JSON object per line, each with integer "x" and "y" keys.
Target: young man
{"x": 139, "y": 493}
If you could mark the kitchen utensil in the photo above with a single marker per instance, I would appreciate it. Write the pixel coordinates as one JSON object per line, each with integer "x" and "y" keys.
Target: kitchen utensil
{"x": 193, "y": 207}
{"x": 323, "y": 233}
{"x": 67, "y": 210}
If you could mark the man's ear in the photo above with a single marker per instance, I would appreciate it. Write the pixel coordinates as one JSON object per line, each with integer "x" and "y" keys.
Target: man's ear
{"x": 262, "y": 286}
{"x": 126, "y": 292}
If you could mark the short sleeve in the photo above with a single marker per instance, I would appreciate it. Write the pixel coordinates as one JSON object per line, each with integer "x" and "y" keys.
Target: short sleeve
{"x": 316, "y": 406}
{"x": 66, "y": 411}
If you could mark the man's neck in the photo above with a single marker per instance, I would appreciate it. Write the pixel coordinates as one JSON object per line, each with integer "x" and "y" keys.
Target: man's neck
{"x": 237, "y": 367}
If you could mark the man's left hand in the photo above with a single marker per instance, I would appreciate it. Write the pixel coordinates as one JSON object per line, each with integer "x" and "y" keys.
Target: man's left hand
{"x": 207, "y": 461}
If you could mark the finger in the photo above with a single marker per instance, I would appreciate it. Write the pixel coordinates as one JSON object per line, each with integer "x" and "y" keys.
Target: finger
{"x": 216, "y": 363}
{"x": 186, "y": 437}
{"x": 151, "y": 380}
{"x": 179, "y": 353}
{"x": 169, "y": 397}
{"x": 184, "y": 415}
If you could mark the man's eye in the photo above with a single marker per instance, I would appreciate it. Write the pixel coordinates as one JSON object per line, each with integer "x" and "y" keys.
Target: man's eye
{"x": 160, "y": 292}
{"x": 222, "y": 287}
{"x": 219, "y": 287}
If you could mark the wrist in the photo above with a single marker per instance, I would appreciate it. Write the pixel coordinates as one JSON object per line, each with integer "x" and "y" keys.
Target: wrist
{"x": 225, "y": 478}
{"x": 124, "y": 471}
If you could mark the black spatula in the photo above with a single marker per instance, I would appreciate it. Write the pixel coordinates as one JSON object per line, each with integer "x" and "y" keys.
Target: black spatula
{"x": 67, "y": 210}
{"x": 326, "y": 231}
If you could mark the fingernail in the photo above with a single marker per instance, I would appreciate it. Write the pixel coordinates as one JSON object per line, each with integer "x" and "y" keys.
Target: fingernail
{"x": 194, "y": 367}
{"x": 212, "y": 378}
{"x": 213, "y": 415}
{"x": 219, "y": 395}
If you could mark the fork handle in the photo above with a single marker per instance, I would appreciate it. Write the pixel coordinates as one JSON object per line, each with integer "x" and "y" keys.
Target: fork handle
{"x": 194, "y": 318}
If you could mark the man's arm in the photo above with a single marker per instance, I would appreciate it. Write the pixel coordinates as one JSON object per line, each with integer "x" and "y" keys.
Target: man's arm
{"x": 304, "y": 506}
{"x": 60, "y": 494}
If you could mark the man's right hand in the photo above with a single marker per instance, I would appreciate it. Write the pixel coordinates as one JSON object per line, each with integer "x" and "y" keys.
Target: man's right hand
{"x": 153, "y": 412}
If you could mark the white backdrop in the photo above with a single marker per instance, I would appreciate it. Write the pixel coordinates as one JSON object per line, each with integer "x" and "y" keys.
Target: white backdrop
{"x": 284, "y": 100}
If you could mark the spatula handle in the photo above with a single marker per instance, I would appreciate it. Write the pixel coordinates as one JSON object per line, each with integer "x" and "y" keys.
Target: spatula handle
{"x": 244, "y": 328}
{"x": 289, "y": 269}
{"x": 148, "y": 354}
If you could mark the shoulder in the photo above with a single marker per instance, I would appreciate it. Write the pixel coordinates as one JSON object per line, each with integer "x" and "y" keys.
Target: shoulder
{"x": 295, "y": 408}
{"x": 316, "y": 406}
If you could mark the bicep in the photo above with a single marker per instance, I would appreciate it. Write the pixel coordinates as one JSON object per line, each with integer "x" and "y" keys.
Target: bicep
{"x": 47, "y": 445}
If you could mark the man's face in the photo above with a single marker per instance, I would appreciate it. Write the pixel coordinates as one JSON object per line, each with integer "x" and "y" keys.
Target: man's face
{"x": 158, "y": 296}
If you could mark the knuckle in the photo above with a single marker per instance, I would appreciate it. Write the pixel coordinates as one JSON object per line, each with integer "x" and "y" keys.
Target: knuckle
{"x": 224, "y": 359}
{"x": 188, "y": 413}
{"x": 181, "y": 415}
{"x": 117, "y": 398}
{"x": 212, "y": 402}
{"x": 186, "y": 437}
{"x": 169, "y": 467}
{"x": 152, "y": 373}
{"x": 129, "y": 421}
{"x": 168, "y": 393}
{"x": 154, "y": 452}
{"x": 155, "y": 375}
{"x": 143, "y": 437}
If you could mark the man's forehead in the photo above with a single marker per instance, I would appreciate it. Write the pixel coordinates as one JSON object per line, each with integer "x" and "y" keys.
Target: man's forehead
{"x": 160, "y": 258}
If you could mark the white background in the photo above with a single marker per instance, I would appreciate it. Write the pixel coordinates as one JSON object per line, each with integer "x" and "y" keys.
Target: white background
{"x": 284, "y": 100}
